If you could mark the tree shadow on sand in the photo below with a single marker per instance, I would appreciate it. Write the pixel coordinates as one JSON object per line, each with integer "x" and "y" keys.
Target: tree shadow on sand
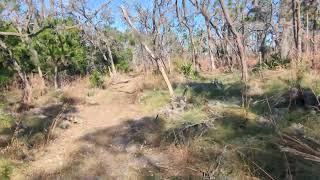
{"x": 132, "y": 149}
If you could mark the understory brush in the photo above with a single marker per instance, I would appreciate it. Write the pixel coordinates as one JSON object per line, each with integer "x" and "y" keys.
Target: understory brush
{"x": 228, "y": 140}
{"x": 96, "y": 79}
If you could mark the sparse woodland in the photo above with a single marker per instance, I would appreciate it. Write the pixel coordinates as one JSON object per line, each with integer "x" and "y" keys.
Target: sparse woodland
{"x": 160, "y": 89}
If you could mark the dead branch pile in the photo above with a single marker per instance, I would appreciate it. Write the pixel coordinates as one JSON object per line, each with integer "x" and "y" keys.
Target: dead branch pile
{"x": 187, "y": 131}
{"x": 304, "y": 147}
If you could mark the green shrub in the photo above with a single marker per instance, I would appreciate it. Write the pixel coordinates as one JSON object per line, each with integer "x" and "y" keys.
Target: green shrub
{"x": 276, "y": 61}
{"x": 5, "y": 77}
{"x": 96, "y": 79}
{"x": 187, "y": 70}
{"x": 5, "y": 169}
{"x": 124, "y": 66}
{"x": 122, "y": 60}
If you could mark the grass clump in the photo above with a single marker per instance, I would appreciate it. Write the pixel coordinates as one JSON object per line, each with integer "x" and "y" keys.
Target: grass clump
{"x": 6, "y": 169}
{"x": 5, "y": 119}
{"x": 96, "y": 79}
{"x": 187, "y": 70}
{"x": 152, "y": 100}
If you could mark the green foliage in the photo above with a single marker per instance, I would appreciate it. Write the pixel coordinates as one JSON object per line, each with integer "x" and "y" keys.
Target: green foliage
{"x": 18, "y": 48}
{"x": 5, "y": 120}
{"x": 61, "y": 48}
{"x": 276, "y": 61}
{"x": 96, "y": 79}
{"x": 5, "y": 169}
{"x": 6, "y": 76}
{"x": 273, "y": 63}
{"x": 187, "y": 70}
{"x": 122, "y": 60}
{"x": 153, "y": 100}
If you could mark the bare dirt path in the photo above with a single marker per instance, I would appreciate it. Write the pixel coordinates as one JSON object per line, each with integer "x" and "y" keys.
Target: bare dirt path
{"x": 100, "y": 146}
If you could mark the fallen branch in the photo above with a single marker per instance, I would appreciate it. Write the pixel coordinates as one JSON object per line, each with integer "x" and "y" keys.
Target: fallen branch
{"x": 54, "y": 123}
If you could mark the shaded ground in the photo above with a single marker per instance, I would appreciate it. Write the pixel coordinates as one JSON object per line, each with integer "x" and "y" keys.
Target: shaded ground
{"x": 114, "y": 140}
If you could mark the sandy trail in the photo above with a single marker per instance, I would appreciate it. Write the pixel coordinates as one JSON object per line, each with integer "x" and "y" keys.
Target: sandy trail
{"x": 100, "y": 146}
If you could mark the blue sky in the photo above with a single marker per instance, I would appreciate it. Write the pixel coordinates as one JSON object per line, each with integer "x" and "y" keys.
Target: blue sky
{"x": 115, "y": 9}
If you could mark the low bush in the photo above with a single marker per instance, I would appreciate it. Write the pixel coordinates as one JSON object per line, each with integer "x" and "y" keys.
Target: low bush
{"x": 5, "y": 169}
{"x": 187, "y": 70}
{"x": 96, "y": 79}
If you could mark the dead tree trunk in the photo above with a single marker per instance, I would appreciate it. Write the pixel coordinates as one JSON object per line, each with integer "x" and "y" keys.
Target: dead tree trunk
{"x": 113, "y": 68}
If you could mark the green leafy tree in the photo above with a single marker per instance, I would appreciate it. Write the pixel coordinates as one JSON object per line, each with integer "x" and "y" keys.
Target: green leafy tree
{"x": 61, "y": 50}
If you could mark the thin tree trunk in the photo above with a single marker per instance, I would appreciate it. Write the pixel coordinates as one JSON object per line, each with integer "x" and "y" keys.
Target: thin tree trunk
{"x": 241, "y": 51}
{"x": 307, "y": 34}
{"x": 43, "y": 85}
{"x": 26, "y": 87}
{"x": 113, "y": 68}
{"x": 27, "y": 91}
{"x": 56, "y": 85}
{"x": 169, "y": 64}
{"x": 210, "y": 47}
{"x": 314, "y": 38}
{"x": 193, "y": 51}
{"x": 299, "y": 28}
{"x": 166, "y": 79}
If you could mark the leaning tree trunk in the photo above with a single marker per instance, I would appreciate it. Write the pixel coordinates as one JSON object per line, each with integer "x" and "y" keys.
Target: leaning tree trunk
{"x": 153, "y": 56}
{"x": 165, "y": 77}
{"x": 113, "y": 68}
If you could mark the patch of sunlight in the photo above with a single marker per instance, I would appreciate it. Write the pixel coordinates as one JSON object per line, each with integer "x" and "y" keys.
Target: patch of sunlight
{"x": 273, "y": 86}
{"x": 5, "y": 120}
{"x": 151, "y": 101}
{"x": 192, "y": 116}
{"x": 5, "y": 169}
